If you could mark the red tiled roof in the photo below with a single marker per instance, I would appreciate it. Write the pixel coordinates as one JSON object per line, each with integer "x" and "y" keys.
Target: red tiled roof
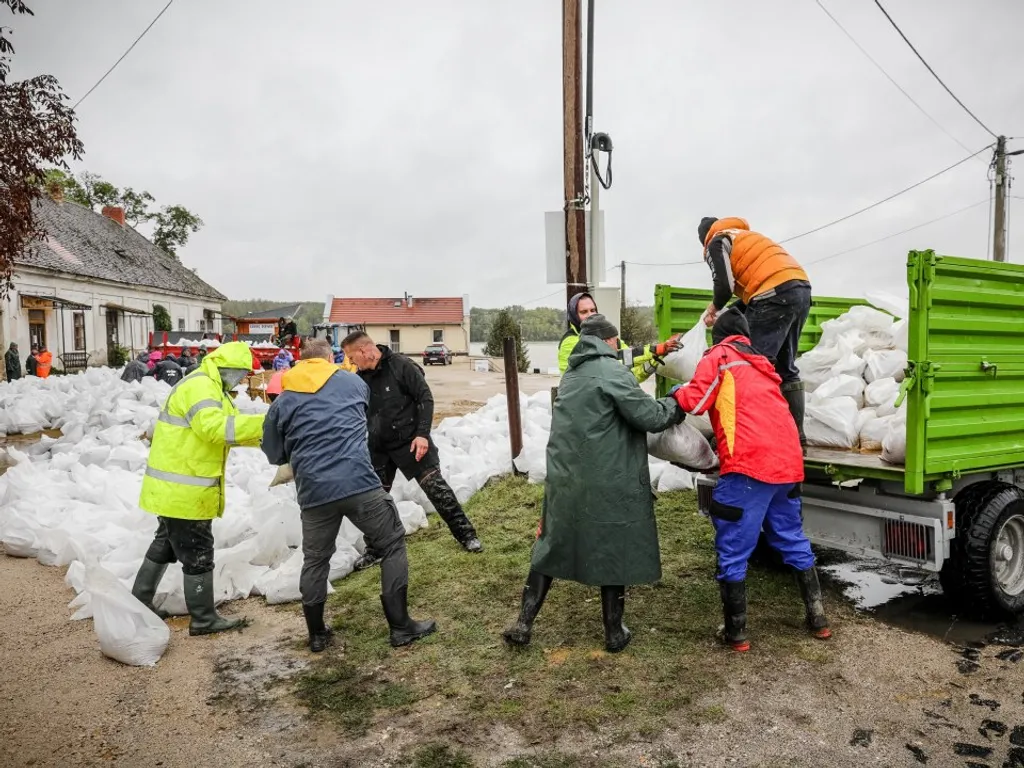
{"x": 385, "y": 312}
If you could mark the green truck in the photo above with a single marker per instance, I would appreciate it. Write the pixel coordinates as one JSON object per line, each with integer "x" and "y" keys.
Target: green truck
{"x": 957, "y": 506}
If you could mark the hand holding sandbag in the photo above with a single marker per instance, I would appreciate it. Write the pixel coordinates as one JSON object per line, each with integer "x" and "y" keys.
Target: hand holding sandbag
{"x": 284, "y": 475}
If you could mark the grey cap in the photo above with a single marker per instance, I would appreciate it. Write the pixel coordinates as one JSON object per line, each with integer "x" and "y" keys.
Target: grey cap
{"x": 598, "y": 325}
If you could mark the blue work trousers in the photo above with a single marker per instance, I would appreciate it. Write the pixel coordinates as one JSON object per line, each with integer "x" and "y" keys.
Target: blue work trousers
{"x": 740, "y": 508}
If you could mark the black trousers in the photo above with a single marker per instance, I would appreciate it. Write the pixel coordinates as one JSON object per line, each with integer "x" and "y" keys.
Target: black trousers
{"x": 189, "y": 542}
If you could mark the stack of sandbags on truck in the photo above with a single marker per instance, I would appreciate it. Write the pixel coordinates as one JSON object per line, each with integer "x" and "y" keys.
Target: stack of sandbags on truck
{"x": 852, "y": 381}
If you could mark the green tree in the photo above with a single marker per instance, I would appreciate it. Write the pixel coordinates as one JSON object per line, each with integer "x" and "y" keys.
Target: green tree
{"x": 506, "y": 325}
{"x": 636, "y": 326}
{"x": 161, "y": 318}
{"x": 37, "y": 129}
{"x": 174, "y": 223}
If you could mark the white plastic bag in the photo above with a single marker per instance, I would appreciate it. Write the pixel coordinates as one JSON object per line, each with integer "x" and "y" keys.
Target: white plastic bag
{"x": 884, "y": 364}
{"x": 881, "y": 395}
{"x": 894, "y": 445}
{"x": 682, "y": 444}
{"x": 284, "y": 475}
{"x": 831, "y": 422}
{"x": 674, "y": 479}
{"x": 873, "y": 433}
{"x": 681, "y": 364}
{"x": 843, "y": 385}
{"x": 815, "y": 366}
{"x": 896, "y": 306}
{"x": 128, "y": 631}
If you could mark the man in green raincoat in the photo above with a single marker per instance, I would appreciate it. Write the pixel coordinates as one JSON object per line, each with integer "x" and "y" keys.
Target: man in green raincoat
{"x": 184, "y": 481}
{"x": 598, "y": 525}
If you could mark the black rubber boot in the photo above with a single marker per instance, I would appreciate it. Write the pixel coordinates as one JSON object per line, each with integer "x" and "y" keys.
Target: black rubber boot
{"x": 793, "y": 391}
{"x": 810, "y": 590}
{"x": 404, "y": 629}
{"x": 536, "y": 589}
{"x": 199, "y": 599}
{"x": 146, "y": 582}
{"x": 734, "y": 605}
{"x": 367, "y": 560}
{"x": 448, "y": 508}
{"x": 616, "y": 634}
{"x": 319, "y": 633}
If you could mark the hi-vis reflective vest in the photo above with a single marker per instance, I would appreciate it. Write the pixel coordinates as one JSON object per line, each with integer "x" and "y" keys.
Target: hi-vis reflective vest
{"x": 196, "y": 428}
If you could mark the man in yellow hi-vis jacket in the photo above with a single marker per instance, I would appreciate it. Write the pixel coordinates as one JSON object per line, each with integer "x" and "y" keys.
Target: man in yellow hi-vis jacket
{"x": 184, "y": 482}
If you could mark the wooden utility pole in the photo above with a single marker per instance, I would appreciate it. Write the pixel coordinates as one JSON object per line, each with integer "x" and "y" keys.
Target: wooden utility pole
{"x": 572, "y": 141}
{"x": 622, "y": 293}
{"x": 999, "y": 236}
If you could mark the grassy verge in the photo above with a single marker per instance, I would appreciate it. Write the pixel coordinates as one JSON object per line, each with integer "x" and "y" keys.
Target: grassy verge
{"x": 565, "y": 679}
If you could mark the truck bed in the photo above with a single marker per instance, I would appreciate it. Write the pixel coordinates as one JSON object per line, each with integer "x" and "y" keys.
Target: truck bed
{"x": 854, "y": 459}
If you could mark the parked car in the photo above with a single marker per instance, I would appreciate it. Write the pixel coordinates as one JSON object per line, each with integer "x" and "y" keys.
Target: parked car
{"x": 437, "y": 353}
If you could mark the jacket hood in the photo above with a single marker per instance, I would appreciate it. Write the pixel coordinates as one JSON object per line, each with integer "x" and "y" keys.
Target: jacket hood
{"x": 589, "y": 348}
{"x": 731, "y": 322}
{"x": 756, "y": 359}
{"x": 308, "y": 376}
{"x": 234, "y": 354}
{"x": 730, "y": 222}
{"x": 571, "y": 311}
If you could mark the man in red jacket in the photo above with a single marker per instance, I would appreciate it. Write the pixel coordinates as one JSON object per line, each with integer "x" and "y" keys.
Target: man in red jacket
{"x": 761, "y": 470}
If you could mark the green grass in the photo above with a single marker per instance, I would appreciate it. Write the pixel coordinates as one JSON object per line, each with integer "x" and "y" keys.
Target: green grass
{"x": 564, "y": 679}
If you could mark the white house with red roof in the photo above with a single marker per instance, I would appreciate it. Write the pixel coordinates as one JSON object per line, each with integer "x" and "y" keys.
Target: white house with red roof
{"x": 408, "y": 324}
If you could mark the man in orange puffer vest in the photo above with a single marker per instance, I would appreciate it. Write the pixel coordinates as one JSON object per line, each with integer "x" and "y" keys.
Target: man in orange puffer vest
{"x": 774, "y": 294}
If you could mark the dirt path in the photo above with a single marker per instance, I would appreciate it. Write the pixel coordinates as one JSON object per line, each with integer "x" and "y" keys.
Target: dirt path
{"x": 226, "y": 700}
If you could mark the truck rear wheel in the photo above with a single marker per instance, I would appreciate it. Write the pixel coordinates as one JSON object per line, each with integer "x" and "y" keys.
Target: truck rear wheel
{"x": 984, "y": 574}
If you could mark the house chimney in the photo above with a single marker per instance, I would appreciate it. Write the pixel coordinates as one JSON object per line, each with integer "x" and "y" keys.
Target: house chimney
{"x": 114, "y": 213}
{"x": 55, "y": 191}
{"x": 408, "y": 300}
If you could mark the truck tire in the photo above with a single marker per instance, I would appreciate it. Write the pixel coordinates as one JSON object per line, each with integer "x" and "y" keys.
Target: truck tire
{"x": 984, "y": 574}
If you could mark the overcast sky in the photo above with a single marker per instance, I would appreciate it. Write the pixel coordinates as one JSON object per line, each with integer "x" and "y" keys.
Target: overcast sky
{"x": 368, "y": 149}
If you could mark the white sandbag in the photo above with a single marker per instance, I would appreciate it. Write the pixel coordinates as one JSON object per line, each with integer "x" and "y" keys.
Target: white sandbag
{"x": 127, "y": 630}
{"x": 674, "y": 479}
{"x": 815, "y": 366}
{"x": 897, "y": 306}
{"x": 864, "y": 415}
{"x": 842, "y": 385}
{"x": 283, "y": 475}
{"x": 884, "y": 364}
{"x": 881, "y": 395}
{"x": 868, "y": 319}
{"x": 656, "y": 468}
{"x": 414, "y": 517}
{"x": 682, "y": 444}
{"x": 901, "y": 335}
{"x": 343, "y": 562}
{"x": 19, "y": 534}
{"x": 849, "y": 363}
{"x": 873, "y": 433}
{"x": 681, "y": 364}
{"x": 831, "y": 422}
{"x": 894, "y": 444}
{"x": 701, "y": 423}
{"x": 281, "y": 584}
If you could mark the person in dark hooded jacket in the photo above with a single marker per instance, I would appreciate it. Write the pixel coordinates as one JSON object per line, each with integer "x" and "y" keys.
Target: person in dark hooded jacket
{"x": 168, "y": 371}
{"x": 597, "y": 525}
{"x": 12, "y": 363}
{"x": 643, "y": 360}
{"x": 137, "y": 369}
{"x": 32, "y": 362}
{"x": 761, "y": 471}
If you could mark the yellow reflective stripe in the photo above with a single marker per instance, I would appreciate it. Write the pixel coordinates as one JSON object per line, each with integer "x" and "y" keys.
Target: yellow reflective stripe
{"x": 177, "y": 421}
{"x": 229, "y": 431}
{"x": 201, "y": 405}
{"x": 174, "y": 477}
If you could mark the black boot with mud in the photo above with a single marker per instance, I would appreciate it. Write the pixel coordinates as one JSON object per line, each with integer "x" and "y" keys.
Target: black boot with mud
{"x": 404, "y": 629}
{"x": 536, "y": 589}
{"x": 734, "y": 608}
{"x": 616, "y": 634}
{"x": 146, "y": 582}
{"x": 320, "y": 634}
{"x": 450, "y": 510}
{"x": 810, "y": 590}
{"x": 367, "y": 560}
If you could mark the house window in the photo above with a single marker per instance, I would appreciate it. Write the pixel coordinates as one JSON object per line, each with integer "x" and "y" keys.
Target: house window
{"x": 79, "y": 320}
{"x": 396, "y": 343}
{"x": 37, "y": 326}
{"x": 202, "y": 325}
{"x": 439, "y": 336}
{"x": 181, "y": 323}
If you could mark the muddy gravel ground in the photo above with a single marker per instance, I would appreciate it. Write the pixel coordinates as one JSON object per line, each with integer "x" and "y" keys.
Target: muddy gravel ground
{"x": 889, "y": 697}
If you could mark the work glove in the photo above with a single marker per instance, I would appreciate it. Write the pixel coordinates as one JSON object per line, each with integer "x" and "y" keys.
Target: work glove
{"x": 676, "y": 388}
{"x": 668, "y": 346}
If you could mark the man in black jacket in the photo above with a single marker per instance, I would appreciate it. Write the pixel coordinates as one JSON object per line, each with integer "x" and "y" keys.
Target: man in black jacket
{"x": 399, "y": 421}
{"x": 12, "y": 363}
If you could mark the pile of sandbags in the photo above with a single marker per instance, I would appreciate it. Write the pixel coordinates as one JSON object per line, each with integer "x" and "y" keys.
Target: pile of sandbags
{"x": 852, "y": 380}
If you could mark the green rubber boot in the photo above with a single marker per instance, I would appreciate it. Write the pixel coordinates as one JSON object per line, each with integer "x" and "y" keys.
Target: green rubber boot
{"x": 146, "y": 582}
{"x": 199, "y": 599}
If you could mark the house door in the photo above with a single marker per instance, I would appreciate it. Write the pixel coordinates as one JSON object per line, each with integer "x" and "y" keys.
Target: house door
{"x": 396, "y": 344}
{"x": 112, "y": 340}
{"x": 37, "y": 327}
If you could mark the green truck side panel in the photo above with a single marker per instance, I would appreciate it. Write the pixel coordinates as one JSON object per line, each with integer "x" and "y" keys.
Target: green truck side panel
{"x": 966, "y": 401}
{"x": 965, "y": 392}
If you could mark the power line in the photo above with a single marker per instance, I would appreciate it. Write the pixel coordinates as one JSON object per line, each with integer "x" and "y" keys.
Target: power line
{"x": 889, "y": 77}
{"x": 897, "y": 234}
{"x": 928, "y": 66}
{"x": 123, "y": 55}
{"x": 886, "y": 199}
{"x": 662, "y": 264}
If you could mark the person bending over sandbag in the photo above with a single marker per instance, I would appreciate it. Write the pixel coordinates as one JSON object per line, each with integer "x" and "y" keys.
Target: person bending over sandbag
{"x": 774, "y": 293}
{"x": 597, "y": 525}
{"x": 761, "y": 470}
{"x": 318, "y": 426}
{"x": 184, "y": 480}
{"x": 642, "y": 360}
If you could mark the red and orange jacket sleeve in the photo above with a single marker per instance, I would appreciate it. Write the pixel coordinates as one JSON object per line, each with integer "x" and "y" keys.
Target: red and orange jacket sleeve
{"x": 699, "y": 395}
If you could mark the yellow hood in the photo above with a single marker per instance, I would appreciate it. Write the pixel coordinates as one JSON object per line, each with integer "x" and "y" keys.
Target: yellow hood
{"x": 308, "y": 376}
